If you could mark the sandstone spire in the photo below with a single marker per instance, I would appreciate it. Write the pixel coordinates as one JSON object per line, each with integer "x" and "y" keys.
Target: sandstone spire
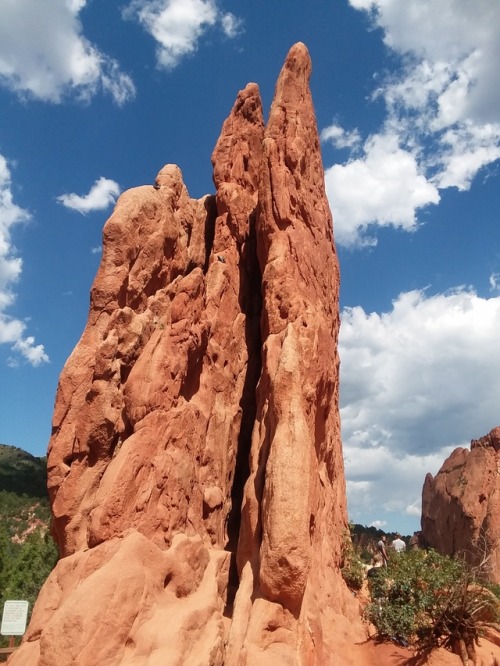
{"x": 461, "y": 504}
{"x": 195, "y": 465}
{"x": 294, "y": 509}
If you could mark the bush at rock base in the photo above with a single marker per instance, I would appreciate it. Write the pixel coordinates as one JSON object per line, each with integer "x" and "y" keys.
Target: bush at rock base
{"x": 353, "y": 570}
{"x": 431, "y": 600}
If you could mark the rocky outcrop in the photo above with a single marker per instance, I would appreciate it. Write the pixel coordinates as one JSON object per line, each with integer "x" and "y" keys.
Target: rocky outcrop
{"x": 461, "y": 505}
{"x": 195, "y": 466}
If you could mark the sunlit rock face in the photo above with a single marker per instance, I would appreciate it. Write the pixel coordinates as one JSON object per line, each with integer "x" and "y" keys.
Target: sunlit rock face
{"x": 195, "y": 465}
{"x": 461, "y": 504}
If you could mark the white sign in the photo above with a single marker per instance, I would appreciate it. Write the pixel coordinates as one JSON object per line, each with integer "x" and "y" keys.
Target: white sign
{"x": 14, "y": 618}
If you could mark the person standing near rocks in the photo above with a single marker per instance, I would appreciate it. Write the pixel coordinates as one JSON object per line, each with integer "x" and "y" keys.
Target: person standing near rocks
{"x": 382, "y": 550}
{"x": 398, "y": 544}
{"x": 415, "y": 541}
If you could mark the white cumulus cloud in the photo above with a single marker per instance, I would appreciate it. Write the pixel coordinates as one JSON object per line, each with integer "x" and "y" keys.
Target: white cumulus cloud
{"x": 11, "y": 329}
{"x": 495, "y": 282}
{"x": 45, "y": 55}
{"x": 340, "y": 137}
{"x": 35, "y": 354}
{"x": 414, "y": 509}
{"x": 231, "y": 25}
{"x": 383, "y": 187}
{"x": 442, "y": 104}
{"x": 102, "y": 194}
{"x": 465, "y": 149}
{"x": 459, "y": 36}
{"x": 415, "y": 382}
{"x": 178, "y": 25}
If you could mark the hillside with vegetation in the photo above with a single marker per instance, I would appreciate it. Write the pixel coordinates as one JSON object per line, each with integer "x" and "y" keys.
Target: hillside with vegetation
{"x": 21, "y": 473}
{"x": 27, "y": 550}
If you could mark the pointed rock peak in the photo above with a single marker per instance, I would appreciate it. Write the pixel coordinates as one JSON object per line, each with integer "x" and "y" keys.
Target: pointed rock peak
{"x": 170, "y": 177}
{"x": 293, "y": 82}
{"x": 292, "y": 175}
{"x": 248, "y": 103}
{"x": 298, "y": 59}
{"x": 236, "y": 157}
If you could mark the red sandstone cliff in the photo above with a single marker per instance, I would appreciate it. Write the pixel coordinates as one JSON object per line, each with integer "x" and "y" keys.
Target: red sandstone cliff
{"x": 195, "y": 465}
{"x": 461, "y": 504}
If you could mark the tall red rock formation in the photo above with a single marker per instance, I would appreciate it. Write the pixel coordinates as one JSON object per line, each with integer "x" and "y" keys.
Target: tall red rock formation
{"x": 195, "y": 465}
{"x": 461, "y": 504}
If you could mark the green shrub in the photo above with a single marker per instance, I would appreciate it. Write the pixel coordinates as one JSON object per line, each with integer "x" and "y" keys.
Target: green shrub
{"x": 366, "y": 556}
{"x": 430, "y": 600}
{"x": 353, "y": 571}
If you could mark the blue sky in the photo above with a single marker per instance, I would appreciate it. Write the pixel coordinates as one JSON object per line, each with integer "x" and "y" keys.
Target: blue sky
{"x": 96, "y": 97}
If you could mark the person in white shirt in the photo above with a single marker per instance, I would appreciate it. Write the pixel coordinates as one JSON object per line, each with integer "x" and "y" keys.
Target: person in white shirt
{"x": 398, "y": 544}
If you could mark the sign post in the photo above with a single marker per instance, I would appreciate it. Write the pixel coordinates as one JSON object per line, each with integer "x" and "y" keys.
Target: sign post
{"x": 15, "y": 614}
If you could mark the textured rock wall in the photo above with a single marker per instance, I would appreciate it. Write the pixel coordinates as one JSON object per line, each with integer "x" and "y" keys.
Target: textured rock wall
{"x": 195, "y": 465}
{"x": 461, "y": 504}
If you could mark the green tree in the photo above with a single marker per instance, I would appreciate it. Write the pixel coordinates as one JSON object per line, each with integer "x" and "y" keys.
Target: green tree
{"x": 29, "y": 570}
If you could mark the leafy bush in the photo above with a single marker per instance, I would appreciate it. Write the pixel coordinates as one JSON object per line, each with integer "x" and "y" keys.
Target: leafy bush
{"x": 353, "y": 571}
{"x": 366, "y": 556}
{"x": 431, "y": 600}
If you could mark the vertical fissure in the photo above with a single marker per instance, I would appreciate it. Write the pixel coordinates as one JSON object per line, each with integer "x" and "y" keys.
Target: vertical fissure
{"x": 251, "y": 305}
{"x": 211, "y": 208}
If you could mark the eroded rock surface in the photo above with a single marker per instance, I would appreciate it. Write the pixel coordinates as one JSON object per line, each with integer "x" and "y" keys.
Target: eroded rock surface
{"x": 461, "y": 504}
{"x": 195, "y": 465}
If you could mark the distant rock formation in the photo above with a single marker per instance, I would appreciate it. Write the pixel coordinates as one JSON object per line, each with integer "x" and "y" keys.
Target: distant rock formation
{"x": 195, "y": 465}
{"x": 461, "y": 505}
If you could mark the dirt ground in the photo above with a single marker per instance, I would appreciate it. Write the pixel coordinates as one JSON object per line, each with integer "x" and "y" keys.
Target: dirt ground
{"x": 373, "y": 653}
